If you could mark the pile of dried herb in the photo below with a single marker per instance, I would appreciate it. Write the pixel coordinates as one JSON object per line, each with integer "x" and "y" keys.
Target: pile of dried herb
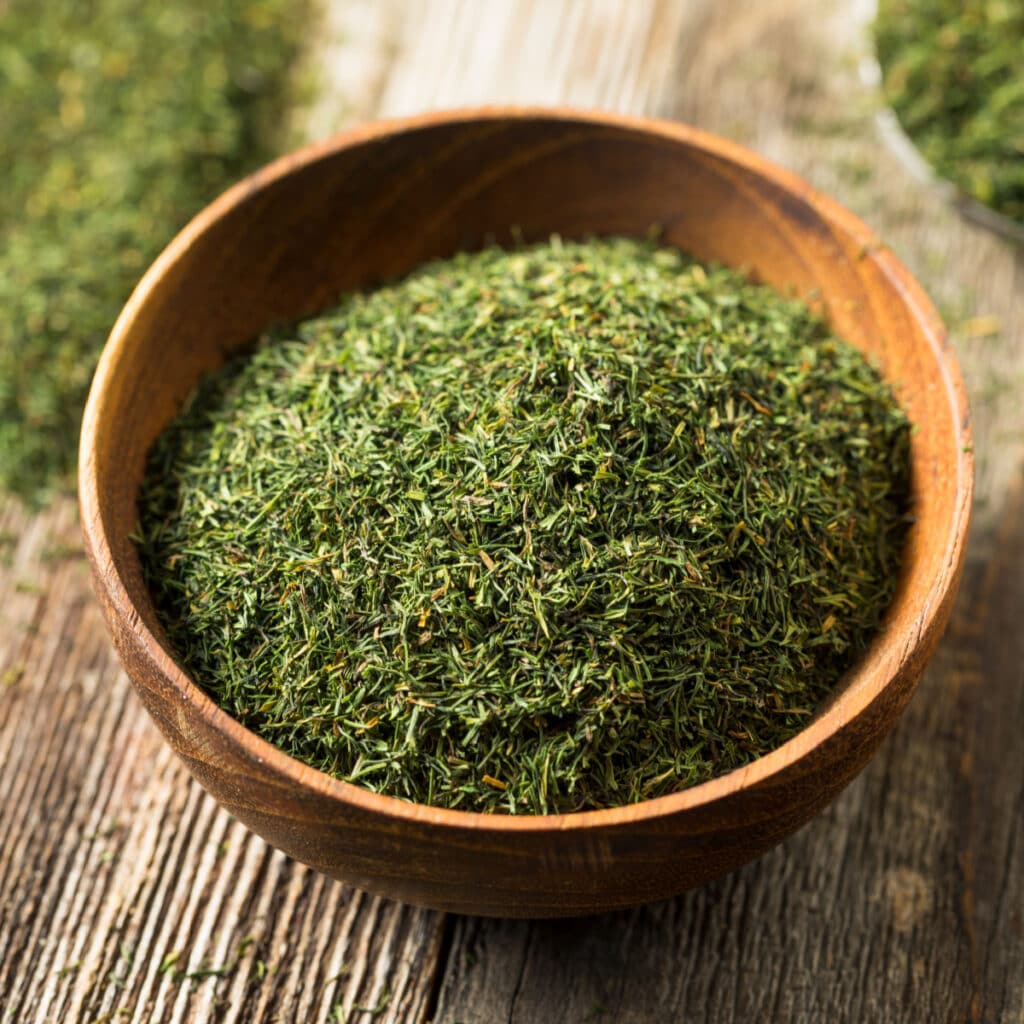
{"x": 119, "y": 119}
{"x": 531, "y": 531}
{"x": 953, "y": 70}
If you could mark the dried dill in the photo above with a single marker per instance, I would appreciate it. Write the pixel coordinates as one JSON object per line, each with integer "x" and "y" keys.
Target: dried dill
{"x": 119, "y": 119}
{"x": 531, "y": 531}
{"x": 954, "y": 73}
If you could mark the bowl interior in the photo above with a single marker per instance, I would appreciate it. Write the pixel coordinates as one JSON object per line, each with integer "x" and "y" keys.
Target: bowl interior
{"x": 290, "y": 239}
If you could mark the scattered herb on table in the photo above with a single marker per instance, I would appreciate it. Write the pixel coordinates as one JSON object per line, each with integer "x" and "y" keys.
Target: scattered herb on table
{"x": 953, "y": 70}
{"x": 168, "y": 962}
{"x": 531, "y": 531}
{"x": 11, "y": 676}
{"x": 119, "y": 119}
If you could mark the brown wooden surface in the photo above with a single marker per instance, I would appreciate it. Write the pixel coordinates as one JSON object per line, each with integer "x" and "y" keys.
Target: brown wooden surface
{"x": 903, "y": 901}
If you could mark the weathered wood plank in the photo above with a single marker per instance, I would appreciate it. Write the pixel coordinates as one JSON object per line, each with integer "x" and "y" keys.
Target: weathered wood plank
{"x": 456, "y": 53}
{"x": 989, "y": 808}
{"x": 903, "y": 901}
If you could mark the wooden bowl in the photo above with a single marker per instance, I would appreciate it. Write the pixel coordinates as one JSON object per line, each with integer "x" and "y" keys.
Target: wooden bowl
{"x": 374, "y": 203}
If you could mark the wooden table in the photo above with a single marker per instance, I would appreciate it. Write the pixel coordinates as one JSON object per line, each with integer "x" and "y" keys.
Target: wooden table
{"x": 127, "y": 895}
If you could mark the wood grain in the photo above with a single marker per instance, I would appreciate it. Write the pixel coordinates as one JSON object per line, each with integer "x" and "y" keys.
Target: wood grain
{"x": 900, "y": 903}
{"x": 394, "y": 59}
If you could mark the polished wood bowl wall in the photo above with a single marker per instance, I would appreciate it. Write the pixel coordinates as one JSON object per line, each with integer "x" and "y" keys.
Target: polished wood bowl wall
{"x": 374, "y": 203}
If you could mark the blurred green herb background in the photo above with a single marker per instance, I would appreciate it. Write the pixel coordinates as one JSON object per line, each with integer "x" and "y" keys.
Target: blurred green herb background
{"x": 119, "y": 119}
{"x": 953, "y": 70}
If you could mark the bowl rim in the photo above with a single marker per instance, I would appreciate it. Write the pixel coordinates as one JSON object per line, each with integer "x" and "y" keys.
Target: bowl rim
{"x": 848, "y": 704}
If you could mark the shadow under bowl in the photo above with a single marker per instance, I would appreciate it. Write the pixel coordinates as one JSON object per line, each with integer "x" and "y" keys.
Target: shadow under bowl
{"x": 376, "y": 202}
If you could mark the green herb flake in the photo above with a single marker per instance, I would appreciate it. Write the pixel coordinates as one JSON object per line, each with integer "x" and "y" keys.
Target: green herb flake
{"x": 541, "y": 530}
{"x": 168, "y": 962}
